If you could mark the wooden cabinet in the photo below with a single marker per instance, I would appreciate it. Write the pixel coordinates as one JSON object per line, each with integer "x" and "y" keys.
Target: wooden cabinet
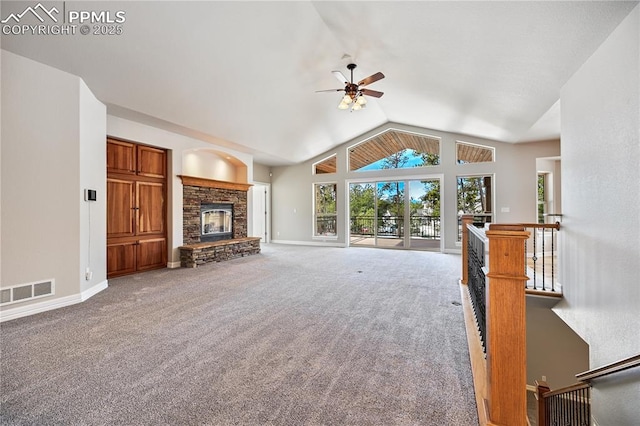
{"x": 136, "y": 208}
{"x": 133, "y": 159}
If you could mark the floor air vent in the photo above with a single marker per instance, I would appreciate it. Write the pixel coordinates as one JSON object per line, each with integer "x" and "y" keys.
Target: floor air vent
{"x": 23, "y": 292}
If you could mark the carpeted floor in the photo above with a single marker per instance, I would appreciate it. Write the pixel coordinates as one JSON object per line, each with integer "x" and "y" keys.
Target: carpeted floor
{"x": 293, "y": 336}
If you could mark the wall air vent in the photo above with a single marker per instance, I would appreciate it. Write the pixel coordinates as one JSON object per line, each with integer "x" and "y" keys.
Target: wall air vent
{"x": 24, "y": 292}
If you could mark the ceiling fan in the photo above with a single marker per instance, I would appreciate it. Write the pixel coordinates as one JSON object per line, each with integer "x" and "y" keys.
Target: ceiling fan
{"x": 354, "y": 92}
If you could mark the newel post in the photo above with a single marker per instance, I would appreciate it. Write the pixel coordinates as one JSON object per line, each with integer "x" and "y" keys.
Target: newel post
{"x": 506, "y": 327}
{"x": 541, "y": 388}
{"x": 466, "y": 220}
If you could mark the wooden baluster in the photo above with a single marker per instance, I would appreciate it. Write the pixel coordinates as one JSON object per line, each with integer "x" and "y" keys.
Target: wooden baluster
{"x": 506, "y": 326}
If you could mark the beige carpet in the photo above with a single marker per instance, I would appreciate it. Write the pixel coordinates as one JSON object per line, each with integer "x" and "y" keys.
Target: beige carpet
{"x": 293, "y": 336}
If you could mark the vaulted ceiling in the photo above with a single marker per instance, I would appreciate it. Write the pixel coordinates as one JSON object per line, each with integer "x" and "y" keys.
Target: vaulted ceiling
{"x": 244, "y": 74}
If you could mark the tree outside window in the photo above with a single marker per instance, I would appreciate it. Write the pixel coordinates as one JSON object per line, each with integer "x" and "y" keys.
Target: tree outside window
{"x": 325, "y": 210}
{"x": 475, "y": 197}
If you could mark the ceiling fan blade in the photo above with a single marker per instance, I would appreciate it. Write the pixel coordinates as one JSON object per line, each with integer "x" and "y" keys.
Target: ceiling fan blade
{"x": 330, "y": 90}
{"x": 373, "y": 93}
{"x": 340, "y": 77}
{"x": 371, "y": 79}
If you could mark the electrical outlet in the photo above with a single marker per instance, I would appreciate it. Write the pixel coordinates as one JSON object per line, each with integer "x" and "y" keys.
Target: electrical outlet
{"x": 88, "y": 274}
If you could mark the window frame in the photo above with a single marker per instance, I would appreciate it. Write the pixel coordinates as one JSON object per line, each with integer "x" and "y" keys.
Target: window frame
{"x": 477, "y": 145}
{"x": 314, "y": 230}
{"x": 491, "y": 216}
{"x": 314, "y": 166}
{"x": 391, "y": 130}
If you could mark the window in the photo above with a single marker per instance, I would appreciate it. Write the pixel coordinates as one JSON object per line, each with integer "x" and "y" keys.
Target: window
{"x": 471, "y": 153}
{"x": 542, "y": 196}
{"x": 395, "y": 150}
{"x": 328, "y": 165}
{"x": 475, "y": 197}
{"x": 325, "y": 210}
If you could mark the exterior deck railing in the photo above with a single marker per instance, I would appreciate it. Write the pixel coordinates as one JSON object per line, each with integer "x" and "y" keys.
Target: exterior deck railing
{"x": 419, "y": 226}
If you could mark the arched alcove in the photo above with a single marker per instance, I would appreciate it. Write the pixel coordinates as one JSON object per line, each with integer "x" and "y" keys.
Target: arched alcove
{"x": 212, "y": 164}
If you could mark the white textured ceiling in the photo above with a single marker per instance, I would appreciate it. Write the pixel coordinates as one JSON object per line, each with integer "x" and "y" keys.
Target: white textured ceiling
{"x": 244, "y": 74}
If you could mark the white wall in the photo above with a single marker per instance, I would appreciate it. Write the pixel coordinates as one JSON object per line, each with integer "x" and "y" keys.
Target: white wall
{"x": 181, "y": 153}
{"x": 93, "y": 175}
{"x": 42, "y": 129}
{"x": 600, "y": 246}
{"x": 515, "y": 185}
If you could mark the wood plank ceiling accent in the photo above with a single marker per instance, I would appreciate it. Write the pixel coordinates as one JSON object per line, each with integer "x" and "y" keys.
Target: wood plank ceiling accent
{"x": 467, "y": 153}
{"x": 326, "y": 166}
{"x": 388, "y": 143}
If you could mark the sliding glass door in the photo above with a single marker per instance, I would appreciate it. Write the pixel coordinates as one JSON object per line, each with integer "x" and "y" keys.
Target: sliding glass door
{"x": 395, "y": 214}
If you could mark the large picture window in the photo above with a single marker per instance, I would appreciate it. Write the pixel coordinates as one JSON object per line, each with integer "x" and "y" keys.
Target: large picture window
{"x": 394, "y": 149}
{"x": 325, "y": 217}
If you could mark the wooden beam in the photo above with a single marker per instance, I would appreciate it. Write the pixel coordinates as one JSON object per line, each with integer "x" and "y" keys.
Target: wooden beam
{"x": 212, "y": 183}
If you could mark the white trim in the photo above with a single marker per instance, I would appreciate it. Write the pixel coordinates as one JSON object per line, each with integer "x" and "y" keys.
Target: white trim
{"x": 532, "y": 388}
{"x": 61, "y": 302}
{"x": 92, "y": 291}
{"x": 173, "y": 265}
{"x": 309, "y": 243}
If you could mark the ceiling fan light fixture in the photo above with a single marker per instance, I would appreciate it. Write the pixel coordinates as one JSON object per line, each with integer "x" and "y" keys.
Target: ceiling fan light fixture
{"x": 354, "y": 97}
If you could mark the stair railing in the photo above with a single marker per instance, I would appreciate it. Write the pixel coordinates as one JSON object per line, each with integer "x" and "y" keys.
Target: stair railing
{"x": 493, "y": 269}
{"x": 572, "y": 405}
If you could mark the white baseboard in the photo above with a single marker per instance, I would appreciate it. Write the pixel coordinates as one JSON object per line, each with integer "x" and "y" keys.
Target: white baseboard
{"x": 173, "y": 265}
{"x": 309, "y": 243}
{"x": 452, "y": 251}
{"x": 35, "y": 308}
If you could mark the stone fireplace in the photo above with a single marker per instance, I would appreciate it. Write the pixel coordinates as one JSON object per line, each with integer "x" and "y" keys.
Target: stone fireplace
{"x": 214, "y": 222}
{"x": 214, "y": 195}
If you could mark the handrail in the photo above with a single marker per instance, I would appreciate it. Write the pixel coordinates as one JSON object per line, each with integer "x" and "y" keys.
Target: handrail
{"x": 555, "y": 226}
{"x": 566, "y": 389}
{"x": 605, "y": 370}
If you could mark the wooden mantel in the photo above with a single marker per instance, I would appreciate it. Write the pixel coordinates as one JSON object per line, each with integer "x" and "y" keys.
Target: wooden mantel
{"x": 211, "y": 183}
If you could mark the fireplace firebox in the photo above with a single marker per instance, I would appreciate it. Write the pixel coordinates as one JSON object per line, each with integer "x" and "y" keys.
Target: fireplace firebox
{"x": 216, "y": 222}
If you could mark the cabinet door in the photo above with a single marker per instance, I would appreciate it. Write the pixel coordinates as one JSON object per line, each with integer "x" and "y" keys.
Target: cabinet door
{"x": 152, "y": 253}
{"x": 152, "y": 162}
{"x": 150, "y": 208}
{"x": 121, "y": 258}
{"x": 121, "y": 157}
{"x": 120, "y": 208}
